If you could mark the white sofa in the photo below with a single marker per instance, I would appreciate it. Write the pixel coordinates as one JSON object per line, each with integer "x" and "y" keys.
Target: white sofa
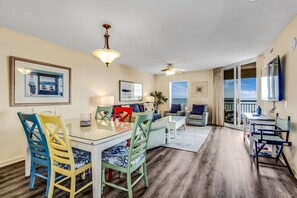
{"x": 157, "y": 136}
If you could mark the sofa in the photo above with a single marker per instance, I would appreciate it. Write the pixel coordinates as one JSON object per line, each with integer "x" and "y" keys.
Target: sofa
{"x": 139, "y": 108}
{"x": 199, "y": 118}
{"x": 157, "y": 135}
{"x": 176, "y": 110}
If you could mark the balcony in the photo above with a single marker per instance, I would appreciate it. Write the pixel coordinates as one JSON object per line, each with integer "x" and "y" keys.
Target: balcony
{"x": 246, "y": 106}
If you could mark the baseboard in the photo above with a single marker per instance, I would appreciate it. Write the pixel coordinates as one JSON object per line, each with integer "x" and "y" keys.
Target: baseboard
{"x": 12, "y": 161}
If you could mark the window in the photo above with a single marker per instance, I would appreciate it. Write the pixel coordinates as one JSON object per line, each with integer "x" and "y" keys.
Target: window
{"x": 179, "y": 92}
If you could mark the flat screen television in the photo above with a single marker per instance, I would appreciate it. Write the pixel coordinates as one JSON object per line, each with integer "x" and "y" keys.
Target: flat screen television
{"x": 272, "y": 81}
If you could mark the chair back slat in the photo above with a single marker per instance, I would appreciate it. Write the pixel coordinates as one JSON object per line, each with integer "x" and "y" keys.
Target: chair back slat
{"x": 139, "y": 138}
{"x": 123, "y": 113}
{"x": 283, "y": 124}
{"x": 35, "y": 136}
{"x": 103, "y": 112}
{"x": 58, "y": 141}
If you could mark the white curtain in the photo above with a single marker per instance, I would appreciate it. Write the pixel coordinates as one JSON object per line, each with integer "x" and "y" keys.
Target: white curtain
{"x": 218, "y": 105}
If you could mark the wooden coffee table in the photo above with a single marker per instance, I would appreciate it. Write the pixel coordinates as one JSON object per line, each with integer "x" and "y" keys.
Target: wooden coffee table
{"x": 174, "y": 122}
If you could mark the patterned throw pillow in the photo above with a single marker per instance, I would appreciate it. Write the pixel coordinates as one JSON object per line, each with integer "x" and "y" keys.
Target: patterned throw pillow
{"x": 135, "y": 108}
{"x": 197, "y": 109}
{"x": 141, "y": 108}
{"x": 175, "y": 108}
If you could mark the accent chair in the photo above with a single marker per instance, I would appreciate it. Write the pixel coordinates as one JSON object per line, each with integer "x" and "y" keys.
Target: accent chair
{"x": 198, "y": 116}
{"x": 176, "y": 110}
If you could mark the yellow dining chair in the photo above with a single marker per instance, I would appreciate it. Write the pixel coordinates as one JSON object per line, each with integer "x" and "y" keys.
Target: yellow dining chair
{"x": 65, "y": 160}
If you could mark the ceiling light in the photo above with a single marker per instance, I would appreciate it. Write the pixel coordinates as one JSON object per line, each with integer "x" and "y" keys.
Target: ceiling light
{"x": 106, "y": 55}
{"x": 169, "y": 72}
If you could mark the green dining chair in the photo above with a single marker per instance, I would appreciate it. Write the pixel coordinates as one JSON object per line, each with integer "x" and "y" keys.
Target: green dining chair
{"x": 104, "y": 112}
{"x": 129, "y": 159}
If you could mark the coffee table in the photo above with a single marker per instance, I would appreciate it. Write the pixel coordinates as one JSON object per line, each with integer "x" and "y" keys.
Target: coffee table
{"x": 174, "y": 122}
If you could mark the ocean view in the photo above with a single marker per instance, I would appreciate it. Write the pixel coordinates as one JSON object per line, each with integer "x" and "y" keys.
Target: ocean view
{"x": 180, "y": 101}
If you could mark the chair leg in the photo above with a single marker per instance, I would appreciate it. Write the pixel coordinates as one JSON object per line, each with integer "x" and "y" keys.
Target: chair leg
{"x": 256, "y": 153}
{"x": 32, "y": 180}
{"x": 129, "y": 185}
{"x": 146, "y": 184}
{"x": 51, "y": 187}
{"x": 287, "y": 164}
{"x": 48, "y": 180}
{"x": 72, "y": 186}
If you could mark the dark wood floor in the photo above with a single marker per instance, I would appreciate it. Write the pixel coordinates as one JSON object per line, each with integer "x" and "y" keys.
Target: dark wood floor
{"x": 222, "y": 168}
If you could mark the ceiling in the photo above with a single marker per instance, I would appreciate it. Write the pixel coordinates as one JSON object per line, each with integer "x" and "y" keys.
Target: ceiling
{"x": 192, "y": 34}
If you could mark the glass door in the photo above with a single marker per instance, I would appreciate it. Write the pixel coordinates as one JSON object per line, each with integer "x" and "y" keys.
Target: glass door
{"x": 239, "y": 92}
{"x": 232, "y": 102}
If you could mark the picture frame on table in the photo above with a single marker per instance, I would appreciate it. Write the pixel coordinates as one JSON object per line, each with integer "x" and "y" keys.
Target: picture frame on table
{"x": 130, "y": 91}
{"x": 35, "y": 83}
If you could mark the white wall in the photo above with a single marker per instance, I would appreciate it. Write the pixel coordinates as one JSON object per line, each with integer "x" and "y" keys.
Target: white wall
{"x": 162, "y": 84}
{"x": 90, "y": 78}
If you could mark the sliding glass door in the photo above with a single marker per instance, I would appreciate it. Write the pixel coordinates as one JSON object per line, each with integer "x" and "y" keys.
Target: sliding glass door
{"x": 240, "y": 93}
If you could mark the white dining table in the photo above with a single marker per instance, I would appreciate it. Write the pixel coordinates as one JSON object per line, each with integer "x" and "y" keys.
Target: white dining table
{"x": 102, "y": 134}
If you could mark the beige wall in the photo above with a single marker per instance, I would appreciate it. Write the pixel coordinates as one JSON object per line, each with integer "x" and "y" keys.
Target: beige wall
{"x": 288, "y": 57}
{"x": 162, "y": 84}
{"x": 90, "y": 78}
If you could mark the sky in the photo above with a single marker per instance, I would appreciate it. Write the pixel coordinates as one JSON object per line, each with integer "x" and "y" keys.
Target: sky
{"x": 179, "y": 89}
{"x": 248, "y": 88}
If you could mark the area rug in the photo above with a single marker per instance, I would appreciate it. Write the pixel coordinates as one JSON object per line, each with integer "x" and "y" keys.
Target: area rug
{"x": 190, "y": 139}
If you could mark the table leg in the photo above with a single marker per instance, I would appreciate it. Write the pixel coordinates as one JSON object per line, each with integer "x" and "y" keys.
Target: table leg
{"x": 28, "y": 163}
{"x": 96, "y": 171}
{"x": 174, "y": 132}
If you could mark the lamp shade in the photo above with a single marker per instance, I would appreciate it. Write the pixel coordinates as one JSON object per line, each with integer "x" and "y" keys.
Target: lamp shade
{"x": 106, "y": 55}
{"x": 105, "y": 100}
{"x": 149, "y": 99}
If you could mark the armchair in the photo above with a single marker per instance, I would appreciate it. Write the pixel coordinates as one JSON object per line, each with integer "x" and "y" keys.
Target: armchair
{"x": 198, "y": 116}
{"x": 176, "y": 110}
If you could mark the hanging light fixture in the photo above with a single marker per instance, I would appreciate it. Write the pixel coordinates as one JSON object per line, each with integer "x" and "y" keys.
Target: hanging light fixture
{"x": 106, "y": 55}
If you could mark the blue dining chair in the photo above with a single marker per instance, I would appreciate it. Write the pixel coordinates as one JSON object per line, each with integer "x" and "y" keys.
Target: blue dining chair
{"x": 38, "y": 147}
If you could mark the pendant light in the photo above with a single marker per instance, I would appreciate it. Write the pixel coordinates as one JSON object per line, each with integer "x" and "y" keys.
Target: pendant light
{"x": 106, "y": 55}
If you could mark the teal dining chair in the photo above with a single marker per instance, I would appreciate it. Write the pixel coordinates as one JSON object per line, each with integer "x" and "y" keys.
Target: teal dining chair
{"x": 129, "y": 159}
{"x": 103, "y": 112}
{"x": 38, "y": 148}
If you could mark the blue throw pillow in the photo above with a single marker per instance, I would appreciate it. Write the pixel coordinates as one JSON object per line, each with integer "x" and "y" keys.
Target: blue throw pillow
{"x": 135, "y": 108}
{"x": 175, "y": 108}
{"x": 141, "y": 107}
{"x": 197, "y": 109}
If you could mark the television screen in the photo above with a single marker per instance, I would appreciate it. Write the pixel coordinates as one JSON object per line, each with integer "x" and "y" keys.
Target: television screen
{"x": 271, "y": 81}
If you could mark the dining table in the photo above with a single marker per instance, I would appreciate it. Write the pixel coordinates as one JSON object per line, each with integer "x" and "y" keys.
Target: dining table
{"x": 102, "y": 134}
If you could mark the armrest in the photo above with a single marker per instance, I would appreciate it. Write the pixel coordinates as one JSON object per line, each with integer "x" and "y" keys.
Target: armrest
{"x": 188, "y": 113}
{"x": 255, "y": 124}
{"x": 158, "y": 125}
{"x": 181, "y": 113}
{"x": 165, "y": 112}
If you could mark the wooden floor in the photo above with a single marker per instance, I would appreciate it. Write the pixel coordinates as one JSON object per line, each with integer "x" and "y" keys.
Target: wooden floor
{"x": 221, "y": 168}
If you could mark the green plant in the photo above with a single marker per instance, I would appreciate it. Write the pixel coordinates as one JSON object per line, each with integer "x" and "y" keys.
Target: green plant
{"x": 159, "y": 98}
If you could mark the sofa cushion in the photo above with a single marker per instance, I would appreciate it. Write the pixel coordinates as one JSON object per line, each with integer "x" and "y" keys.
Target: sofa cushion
{"x": 175, "y": 108}
{"x": 197, "y": 109}
{"x": 141, "y": 107}
{"x": 135, "y": 108}
{"x": 196, "y": 117}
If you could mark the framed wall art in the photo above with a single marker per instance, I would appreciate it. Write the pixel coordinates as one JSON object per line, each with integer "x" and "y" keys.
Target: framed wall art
{"x": 200, "y": 89}
{"x": 130, "y": 91}
{"x": 35, "y": 83}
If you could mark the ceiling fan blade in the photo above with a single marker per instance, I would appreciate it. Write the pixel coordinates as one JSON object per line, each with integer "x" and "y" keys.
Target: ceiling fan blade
{"x": 166, "y": 69}
{"x": 179, "y": 71}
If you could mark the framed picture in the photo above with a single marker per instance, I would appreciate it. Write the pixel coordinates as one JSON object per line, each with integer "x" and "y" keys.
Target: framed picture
{"x": 37, "y": 83}
{"x": 130, "y": 91}
{"x": 200, "y": 89}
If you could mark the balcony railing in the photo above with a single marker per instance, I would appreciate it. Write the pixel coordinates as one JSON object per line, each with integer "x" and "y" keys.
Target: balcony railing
{"x": 247, "y": 106}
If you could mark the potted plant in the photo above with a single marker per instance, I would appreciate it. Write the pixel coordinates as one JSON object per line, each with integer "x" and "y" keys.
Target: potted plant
{"x": 159, "y": 98}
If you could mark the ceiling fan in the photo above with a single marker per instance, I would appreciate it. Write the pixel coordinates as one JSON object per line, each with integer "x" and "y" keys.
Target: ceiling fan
{"x": 170, "y": 70}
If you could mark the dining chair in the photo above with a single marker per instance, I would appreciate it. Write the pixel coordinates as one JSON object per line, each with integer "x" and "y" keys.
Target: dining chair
{"x": 65, "y": 160}
{"x": 38, "y": 148}
{"x": 129, "y": 159}
{"x": 123, "y": 113}
{"x": 103, "y": 112}
{"x": 263, "y": 136}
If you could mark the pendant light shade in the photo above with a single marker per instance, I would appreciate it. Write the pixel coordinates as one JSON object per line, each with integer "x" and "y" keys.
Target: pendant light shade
{"x": 106, "y": 55}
